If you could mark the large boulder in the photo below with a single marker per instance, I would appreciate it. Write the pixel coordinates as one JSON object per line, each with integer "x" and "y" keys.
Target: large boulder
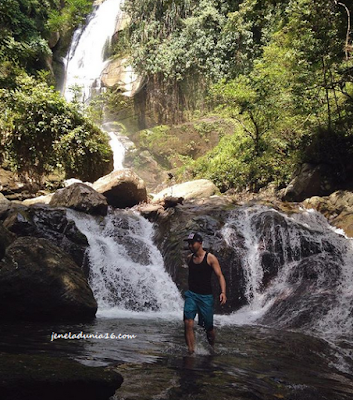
{"x": 119, "y": 73}
{"x": 207, "y": 217}
{"x": 201, "y": 188}
{"x": 80, "y": 197}
{"x": 48, "y": 223}
{"x": 311, "y": 180}
{"x": 38, "y": 281}
{"x": 40, "y": 376}
{"x": 122, "y": 188}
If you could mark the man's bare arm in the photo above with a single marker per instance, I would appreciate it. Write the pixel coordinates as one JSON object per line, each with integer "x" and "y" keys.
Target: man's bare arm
{"x": 213, "y": 262}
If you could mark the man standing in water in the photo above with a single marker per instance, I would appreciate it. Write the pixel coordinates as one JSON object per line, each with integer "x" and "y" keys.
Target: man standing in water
{"x": 199, "y": 297}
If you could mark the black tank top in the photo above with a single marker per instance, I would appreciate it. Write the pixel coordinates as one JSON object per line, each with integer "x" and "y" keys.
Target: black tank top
{"x": 200, "y": 276}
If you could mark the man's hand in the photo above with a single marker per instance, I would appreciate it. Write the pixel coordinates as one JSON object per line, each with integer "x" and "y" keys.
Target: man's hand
{"x": 223, "y": 298}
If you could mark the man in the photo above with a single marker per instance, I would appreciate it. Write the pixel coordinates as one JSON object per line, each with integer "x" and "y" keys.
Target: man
{"x": 199, "y": 297}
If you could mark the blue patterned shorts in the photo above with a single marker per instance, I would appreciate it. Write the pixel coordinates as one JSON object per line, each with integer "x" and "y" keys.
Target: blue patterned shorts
{"x": 201, "y": 304}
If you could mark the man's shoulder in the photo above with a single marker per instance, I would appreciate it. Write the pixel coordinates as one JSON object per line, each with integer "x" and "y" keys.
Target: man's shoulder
{"x": 211, "y": 258}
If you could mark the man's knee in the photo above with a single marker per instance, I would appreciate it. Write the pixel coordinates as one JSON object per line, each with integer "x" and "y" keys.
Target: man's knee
{"x": 189, "y": 324}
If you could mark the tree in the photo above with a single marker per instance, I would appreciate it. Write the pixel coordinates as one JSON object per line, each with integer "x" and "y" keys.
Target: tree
{"x": 42, "y": 132}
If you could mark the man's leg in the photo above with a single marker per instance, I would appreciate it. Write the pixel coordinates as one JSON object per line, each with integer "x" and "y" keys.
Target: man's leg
{"x": 211, "y": 336}
{"x": 189, "y": 335}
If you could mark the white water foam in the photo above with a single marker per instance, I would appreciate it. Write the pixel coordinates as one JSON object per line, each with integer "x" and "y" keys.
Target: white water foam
{"x": 333, "y": 323}
{"x": 118, "y": 150}
{"x": 127, "y": 272}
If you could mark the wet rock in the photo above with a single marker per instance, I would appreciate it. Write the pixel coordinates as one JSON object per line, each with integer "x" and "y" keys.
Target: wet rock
{"x": 51, "y": 224}
{"x": 308, "y": 286}
{"x": 28, "y": 377}
{"x": 39, "y": 281}
{"x": 122, "y": 188}
{"x": 208, "y": 218}
{"x": 170, "y": 201}
{"x": 80, "y": 197}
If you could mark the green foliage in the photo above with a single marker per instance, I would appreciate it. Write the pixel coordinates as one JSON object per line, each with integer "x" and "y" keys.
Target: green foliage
{"x": 294, "y": 105}
{"x": 41, "y": 132}
{"x": 26, "y": 25}
{"x": 233, "y": 163}
{"x": 72, "y": 15}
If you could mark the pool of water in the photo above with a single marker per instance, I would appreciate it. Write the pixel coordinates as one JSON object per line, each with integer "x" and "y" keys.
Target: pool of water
{"x": 249, "y": 362}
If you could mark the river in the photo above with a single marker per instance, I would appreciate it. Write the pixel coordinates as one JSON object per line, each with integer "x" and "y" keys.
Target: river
{"x": 249, "y": 362}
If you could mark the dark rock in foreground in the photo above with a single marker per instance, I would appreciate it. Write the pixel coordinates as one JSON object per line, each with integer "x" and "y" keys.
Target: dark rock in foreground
{"x": 44, "y": 222}
{"x": 29, "y": 377}
{"x": 38, "y": 281}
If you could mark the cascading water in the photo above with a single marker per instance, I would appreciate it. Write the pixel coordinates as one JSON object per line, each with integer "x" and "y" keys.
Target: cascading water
{"x": 298, "y": 271}
{"x": 85, "y": 59}
{"x": 126, "y": 269}
{"x": 85, "y": 63}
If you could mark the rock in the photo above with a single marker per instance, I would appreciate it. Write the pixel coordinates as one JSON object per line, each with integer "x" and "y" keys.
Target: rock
{"x": 53, "y": 39}
{"x": 3, "y": 201}
{"x": 311, "y": 180}
{"x": 10, "y": 184}
{"x": 6, "y": 238}
{"x": 38, "y": 281}
{"x": 80, "y": 197}
{"x": 337, "y": 208}
{"x": 306, "y": 288}
{"x": 120, "y": 74}
{"x": 169, "y": 201}
{"x": 45, "y": 199}
{"x": 122, "y": 188}
{"x": 51, "y": 224}
{"x": 29, "y": 376}
{"x": 201, "y": 188}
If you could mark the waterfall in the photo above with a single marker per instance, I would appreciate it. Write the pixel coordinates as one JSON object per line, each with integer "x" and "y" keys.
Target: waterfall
{"x": 85, "y": 59}
{"x": 298, "y": 271}
{"x": 126, "y": 269}
{"x": 85, "y": 63}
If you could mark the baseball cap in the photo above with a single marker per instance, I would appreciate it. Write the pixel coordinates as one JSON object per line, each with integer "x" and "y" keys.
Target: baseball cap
{"x": 194, "y": 237}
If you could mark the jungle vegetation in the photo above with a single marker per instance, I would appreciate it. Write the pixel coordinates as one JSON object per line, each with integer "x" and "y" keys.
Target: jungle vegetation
{"x": 39, "y": 131}
{"x": 282, "y": 70}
